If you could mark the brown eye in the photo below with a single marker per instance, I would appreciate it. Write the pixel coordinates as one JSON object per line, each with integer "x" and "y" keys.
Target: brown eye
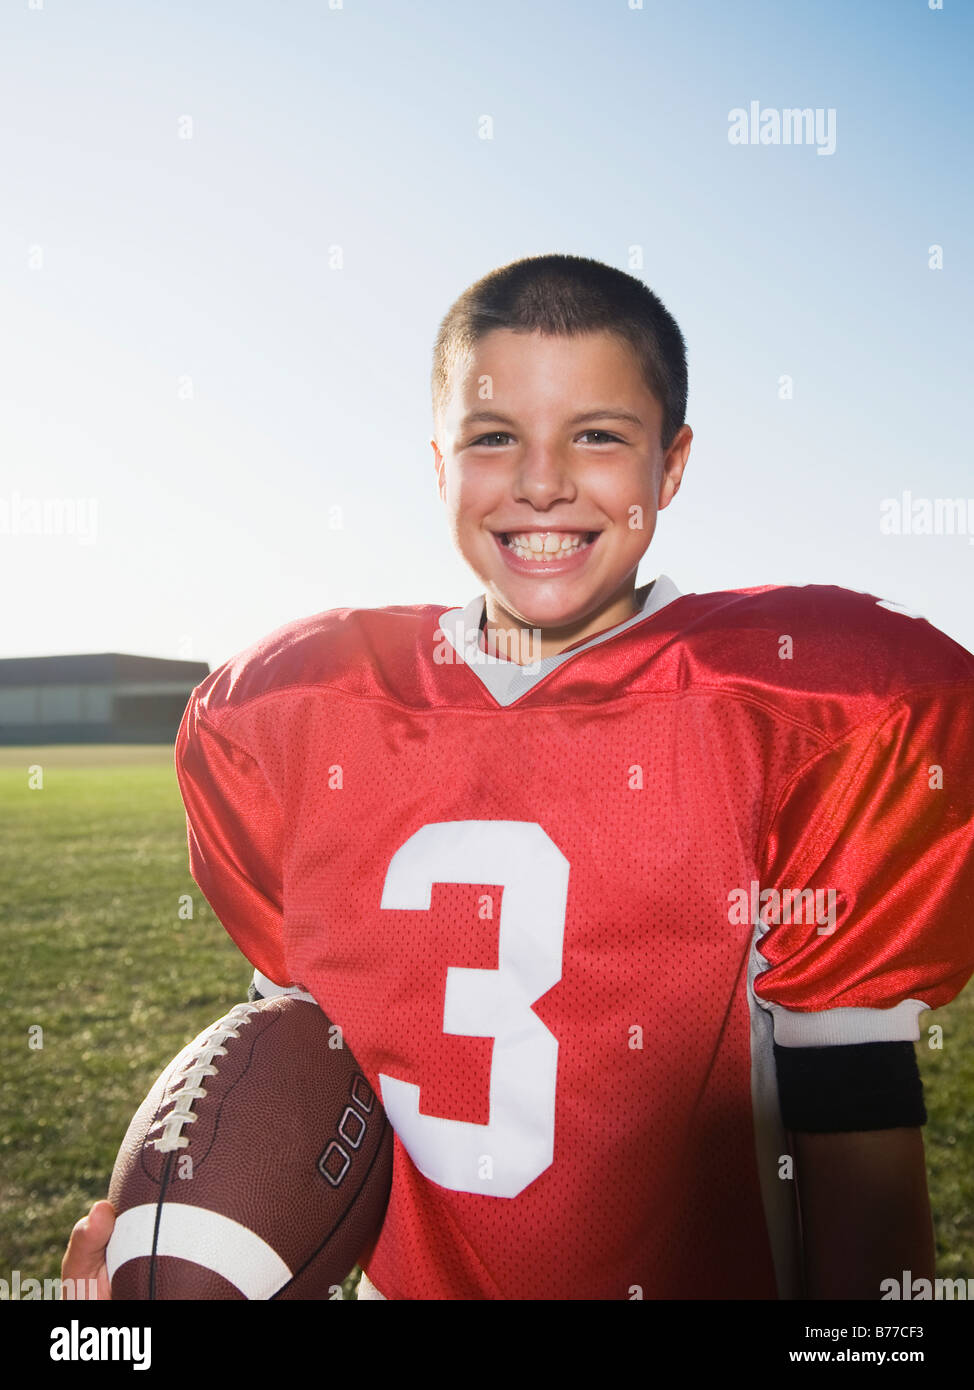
{"x": 498, "y": 434}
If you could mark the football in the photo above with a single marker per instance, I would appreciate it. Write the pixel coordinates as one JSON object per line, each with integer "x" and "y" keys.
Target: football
{"x": 258, "y": 1166}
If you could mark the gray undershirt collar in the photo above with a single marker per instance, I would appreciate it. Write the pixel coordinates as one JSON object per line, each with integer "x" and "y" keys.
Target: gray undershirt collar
{"x": 506, "y": 681}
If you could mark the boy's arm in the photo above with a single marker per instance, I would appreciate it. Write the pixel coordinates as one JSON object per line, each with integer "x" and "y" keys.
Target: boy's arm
{"x": 855, "y": 1114}
{"x": 865, "y": 1211}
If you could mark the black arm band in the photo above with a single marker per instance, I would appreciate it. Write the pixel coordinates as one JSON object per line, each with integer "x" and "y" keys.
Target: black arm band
{"x": 828, "y": 1090}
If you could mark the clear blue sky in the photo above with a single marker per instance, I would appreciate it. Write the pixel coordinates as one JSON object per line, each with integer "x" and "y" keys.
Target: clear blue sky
{"x": 134, "y": 261}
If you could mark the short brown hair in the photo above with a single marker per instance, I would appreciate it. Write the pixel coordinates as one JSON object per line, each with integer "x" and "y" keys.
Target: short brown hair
{"x": 568, "y": 296}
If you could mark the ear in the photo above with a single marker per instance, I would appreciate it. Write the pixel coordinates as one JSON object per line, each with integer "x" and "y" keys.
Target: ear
{"x": 674, "y": 462}
{"x": 440, "y": 469}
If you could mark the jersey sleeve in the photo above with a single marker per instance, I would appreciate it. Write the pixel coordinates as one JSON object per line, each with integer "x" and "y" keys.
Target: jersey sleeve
{"x": 235, "y": 833}
{"x": 866, "y": 906}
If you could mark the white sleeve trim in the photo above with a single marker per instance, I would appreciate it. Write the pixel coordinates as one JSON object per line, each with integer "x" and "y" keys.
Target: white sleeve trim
{"x": 267, "y": 989}
{"x": 367, "y": 1291}
{"x": 835, "y": 1027}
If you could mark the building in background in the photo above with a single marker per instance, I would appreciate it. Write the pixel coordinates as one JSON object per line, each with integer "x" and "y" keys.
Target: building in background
{"x": 106, "y": 697}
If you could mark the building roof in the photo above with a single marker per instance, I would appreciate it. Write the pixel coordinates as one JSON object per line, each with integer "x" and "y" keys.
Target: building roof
{"x": 97, "y": 668}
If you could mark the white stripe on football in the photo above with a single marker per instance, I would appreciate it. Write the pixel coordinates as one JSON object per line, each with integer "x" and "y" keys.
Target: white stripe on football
{"x": 203, "y": 1238}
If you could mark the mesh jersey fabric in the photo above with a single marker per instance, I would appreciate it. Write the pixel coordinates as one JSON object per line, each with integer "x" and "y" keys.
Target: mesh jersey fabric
{"x": 552, "y": 931}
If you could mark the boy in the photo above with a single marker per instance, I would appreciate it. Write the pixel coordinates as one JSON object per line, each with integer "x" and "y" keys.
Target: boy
{"x": 628, "y": 901}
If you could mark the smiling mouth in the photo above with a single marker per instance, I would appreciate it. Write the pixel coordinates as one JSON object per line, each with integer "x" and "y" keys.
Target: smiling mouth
{"x": 545, "y": 546}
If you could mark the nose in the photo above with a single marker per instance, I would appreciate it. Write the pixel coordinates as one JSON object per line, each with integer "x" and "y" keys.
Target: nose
{"x": 543, "y": 477}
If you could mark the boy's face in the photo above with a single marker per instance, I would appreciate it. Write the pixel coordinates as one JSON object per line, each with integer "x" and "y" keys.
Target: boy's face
{"x": 530, "y": 444}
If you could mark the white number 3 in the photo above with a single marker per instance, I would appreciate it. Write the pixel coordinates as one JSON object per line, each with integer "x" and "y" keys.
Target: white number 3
{"x": 500, "y": 1158}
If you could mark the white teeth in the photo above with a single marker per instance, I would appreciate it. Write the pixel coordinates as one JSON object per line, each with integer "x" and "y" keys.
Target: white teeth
{"x": 541, "y": 545}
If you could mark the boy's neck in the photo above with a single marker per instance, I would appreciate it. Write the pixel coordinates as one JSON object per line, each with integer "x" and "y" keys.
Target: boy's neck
{"x": 504, "y": 637}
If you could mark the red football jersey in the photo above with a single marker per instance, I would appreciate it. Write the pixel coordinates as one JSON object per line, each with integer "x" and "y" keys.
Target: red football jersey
{"x": 560, "y": 934}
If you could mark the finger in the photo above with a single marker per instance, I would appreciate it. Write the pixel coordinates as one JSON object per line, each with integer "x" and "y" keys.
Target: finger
{"x": 85, "y": 1255}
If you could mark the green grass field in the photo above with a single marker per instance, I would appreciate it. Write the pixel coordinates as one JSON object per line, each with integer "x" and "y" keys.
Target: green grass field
{"x": 96, "y": 954}
{"x": 94, "y": 867}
